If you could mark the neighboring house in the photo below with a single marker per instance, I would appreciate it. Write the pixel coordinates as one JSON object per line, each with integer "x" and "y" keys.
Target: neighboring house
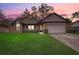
{"x": 4, "y": 26}
{"x": 52, "y": 23}
{"x": 75, "y": 26}
{"x": 7, "y": 25}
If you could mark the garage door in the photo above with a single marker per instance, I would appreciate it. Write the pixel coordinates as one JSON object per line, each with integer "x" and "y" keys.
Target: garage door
{"x": 56, "y": 27}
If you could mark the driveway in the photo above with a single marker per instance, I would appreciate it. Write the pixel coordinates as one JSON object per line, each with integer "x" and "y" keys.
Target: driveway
{"x": 71, "y": 40}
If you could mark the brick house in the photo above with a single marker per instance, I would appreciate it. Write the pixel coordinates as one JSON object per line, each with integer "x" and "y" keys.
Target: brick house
{"x": 52, "y": 23}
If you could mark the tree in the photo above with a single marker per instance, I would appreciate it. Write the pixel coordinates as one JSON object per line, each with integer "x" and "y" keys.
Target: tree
{"x": 34, "y": 9}
{"x": 40, "y": 12}
{"x": 26, "y": 14}
{"x": 75, "y": 15}
{"x": 44, "y": 9}
{"x": 2, "y": 16}
{"x": 68, "y": 20}
{"x": 3, "y": 19}
{"x": 34, "y": 13}
{"x": 1, "y": 13}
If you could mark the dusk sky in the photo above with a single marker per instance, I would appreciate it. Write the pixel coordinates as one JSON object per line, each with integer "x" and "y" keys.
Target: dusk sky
{"x": 15, "y": 9}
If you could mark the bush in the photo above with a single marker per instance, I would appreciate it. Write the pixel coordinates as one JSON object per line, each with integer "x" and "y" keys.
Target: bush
{"x": 70, "y": 31}
{"x": 45, "y": 31}
{"x": 35, "y": 31}
{"x": 32, "y": 31}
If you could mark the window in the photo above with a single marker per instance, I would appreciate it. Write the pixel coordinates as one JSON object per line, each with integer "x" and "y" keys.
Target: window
{"x": 30, "y": 27}
{"x": 18, "y": 27}
{"x": 17, "y": 24}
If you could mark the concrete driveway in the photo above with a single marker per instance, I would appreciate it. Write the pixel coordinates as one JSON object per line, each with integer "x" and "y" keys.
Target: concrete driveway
{"x": 71, "y": 40}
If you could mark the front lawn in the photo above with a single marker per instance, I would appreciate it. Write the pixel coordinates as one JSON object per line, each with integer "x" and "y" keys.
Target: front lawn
{"x": 32, "y": 43}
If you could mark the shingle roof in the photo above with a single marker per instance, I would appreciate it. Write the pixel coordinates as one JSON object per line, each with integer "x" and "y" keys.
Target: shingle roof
{"x": 55, "y": 18}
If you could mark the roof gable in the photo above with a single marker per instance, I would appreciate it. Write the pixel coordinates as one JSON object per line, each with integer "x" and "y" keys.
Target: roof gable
{"x": 53, "y": 18}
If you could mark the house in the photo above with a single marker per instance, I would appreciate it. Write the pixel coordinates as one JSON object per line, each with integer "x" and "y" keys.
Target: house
{"x": 4, "y": 25}
{"x": 55, "y": 23}
{"x": 52, "y": 23}
{"x": 75, "y": 26}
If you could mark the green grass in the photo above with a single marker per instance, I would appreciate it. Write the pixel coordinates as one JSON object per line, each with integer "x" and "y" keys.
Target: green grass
{"x": 32, "y": 44}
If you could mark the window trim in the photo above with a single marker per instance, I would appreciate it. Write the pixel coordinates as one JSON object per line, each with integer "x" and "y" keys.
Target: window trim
{"x": 31, "y": 27}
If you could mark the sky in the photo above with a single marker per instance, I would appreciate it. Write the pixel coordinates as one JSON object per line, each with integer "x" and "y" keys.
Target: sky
{"x": 16, "y": 9}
